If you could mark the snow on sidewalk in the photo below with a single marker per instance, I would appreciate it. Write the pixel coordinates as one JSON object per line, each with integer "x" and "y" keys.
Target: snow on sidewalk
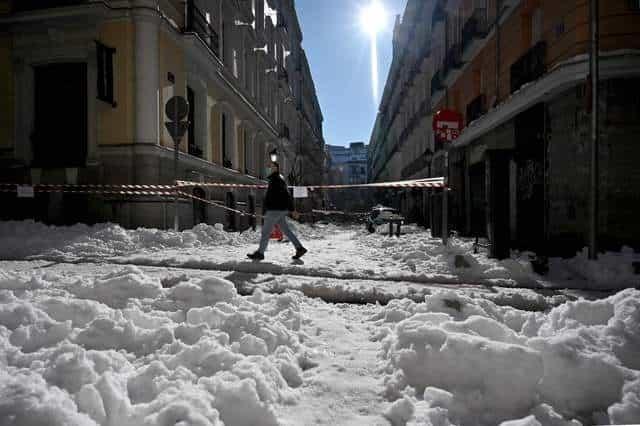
{"x": 346, "y": 252}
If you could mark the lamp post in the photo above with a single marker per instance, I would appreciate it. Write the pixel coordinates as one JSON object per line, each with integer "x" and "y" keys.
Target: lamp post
{"x": 273, "y": 155}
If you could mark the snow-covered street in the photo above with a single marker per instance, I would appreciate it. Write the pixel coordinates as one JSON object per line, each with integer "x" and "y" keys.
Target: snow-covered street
{"x": 101, "y": 325}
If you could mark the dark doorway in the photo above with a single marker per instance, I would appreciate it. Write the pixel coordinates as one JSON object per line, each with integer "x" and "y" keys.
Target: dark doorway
{"x": 478, "y": 184}
{"x": 199, "y": 207}
{"x": 60, "y": 133}
{"x": 498, "y": 211}
{"x": 529, "y": 157}
{"x": 230, "y": 202}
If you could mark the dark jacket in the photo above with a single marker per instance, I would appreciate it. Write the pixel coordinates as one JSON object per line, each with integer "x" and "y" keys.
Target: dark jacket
{"x": 278, "y": 196}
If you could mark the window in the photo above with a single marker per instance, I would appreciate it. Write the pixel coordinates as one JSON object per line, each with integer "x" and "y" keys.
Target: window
{"x": 105, "y": 73}
{"x": 235, "y": 63}
{"x": 223, "y": 126}
{"x": 634, "y": 5}
{"x": 193, "y": 147}
{"x": 253, "y": 12}
{"x": 246, "y": 152}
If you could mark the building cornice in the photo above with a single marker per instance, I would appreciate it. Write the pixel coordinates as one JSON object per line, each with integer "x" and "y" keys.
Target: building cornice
{"x": 566, "y": 74}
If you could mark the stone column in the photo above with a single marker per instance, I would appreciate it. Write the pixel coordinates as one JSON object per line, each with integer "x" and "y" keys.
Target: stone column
{"x": 147, "y": 70}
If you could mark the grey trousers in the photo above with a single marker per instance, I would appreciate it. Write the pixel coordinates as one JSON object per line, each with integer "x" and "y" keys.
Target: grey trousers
{"x": 272, "y": 218}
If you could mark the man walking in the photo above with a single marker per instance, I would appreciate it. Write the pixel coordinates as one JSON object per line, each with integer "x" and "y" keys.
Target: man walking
{"x": 277, "y": 205}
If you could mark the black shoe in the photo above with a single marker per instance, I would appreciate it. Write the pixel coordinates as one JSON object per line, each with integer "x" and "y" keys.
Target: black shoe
{"x": 256, "y": 256}
{"x": 299, "y": 253}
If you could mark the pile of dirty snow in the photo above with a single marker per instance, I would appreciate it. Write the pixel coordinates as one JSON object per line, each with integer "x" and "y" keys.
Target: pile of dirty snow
{"x": 458, "y": 360}
{"x": 122, "y": 350}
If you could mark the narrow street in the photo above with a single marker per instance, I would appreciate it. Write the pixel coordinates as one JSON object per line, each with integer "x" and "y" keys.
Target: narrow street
{"x": 283, "y": 342}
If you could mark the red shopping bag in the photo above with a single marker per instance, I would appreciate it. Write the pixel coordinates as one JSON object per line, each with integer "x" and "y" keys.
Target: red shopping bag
{"x": 276, "y": 233}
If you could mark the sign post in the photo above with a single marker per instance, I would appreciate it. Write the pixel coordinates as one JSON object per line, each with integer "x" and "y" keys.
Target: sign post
{"x": 447, "y": 125}
{"x": 177, "y": 109}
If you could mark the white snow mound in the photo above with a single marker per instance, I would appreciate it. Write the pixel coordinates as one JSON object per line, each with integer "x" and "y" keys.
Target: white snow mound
{"x": 121, "y": 350}
{"x": 473, "y": 362}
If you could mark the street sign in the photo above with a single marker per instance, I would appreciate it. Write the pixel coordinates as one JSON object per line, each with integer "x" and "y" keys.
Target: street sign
{"x": 300, "y": 192}
{"x": 25, "y": 191}
{"x": 177, "y": 108}
{"x": 177, "y": 129}
{"x": 447, "y": 125}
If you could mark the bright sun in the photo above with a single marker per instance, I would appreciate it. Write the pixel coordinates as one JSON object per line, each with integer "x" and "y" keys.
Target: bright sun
{"x": 373, "y": 17}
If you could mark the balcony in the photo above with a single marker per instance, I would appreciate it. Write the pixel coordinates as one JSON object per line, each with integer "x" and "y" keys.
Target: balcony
{"x": 453, "y": 58}
{"x": 27, "y": 5}
{"x": 195, "y": 150}
{"x": 425, "y": 107}
{"x": 476, "y": 109}
{"x": 530, "y": 67}
{"x": 436, "y": 83}
{"x": 283, "y": 75}
{"x": 476, "y": 28}
{"x": 197, "y": 22}
{"x": 425, "y": 49}
{"x": 439, "y": 14}
{"x": 284, "y": 131}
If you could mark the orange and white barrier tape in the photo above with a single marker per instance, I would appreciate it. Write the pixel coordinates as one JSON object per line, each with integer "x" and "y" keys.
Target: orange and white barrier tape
{"x": 139, "y": 190}
{"x": 416, "y": 183}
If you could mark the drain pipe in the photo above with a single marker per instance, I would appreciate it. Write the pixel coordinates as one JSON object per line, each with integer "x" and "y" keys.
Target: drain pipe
{"x": 595, "y": 99}
{"x": 497, "y": 100}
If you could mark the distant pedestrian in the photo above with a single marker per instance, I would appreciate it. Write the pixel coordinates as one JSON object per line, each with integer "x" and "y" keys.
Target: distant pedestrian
{"x": 278, "y": 203}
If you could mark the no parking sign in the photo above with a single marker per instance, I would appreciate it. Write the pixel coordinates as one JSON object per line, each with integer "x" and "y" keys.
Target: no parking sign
{"x": 447, "y": 125}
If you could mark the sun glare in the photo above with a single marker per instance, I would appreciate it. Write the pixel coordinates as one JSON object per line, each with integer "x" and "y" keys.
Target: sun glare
{"x": 373, "y": 17}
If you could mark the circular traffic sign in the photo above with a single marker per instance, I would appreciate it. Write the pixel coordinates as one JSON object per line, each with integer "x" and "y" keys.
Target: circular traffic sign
{"x": 177, "y": 108}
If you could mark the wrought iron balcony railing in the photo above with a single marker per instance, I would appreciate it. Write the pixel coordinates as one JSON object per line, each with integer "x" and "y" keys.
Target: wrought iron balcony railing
{"x": 476, "y": 109}
{"x": 453, "y": 58}
{"x": 476, "y": 27}
{"x": 27, "y": 5}
{"x": 196, "y": 151}
{"x": 439, "y": 14}
{"x": 199, "y": 23}
{"x": 436, "y": 82}
{"x": 529, "y": 67}
{"x": 284, "y": 131}
{"x": 283, "y": 74}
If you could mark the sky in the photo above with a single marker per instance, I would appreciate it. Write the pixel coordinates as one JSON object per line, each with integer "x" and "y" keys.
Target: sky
{"x": 338, "y": 50}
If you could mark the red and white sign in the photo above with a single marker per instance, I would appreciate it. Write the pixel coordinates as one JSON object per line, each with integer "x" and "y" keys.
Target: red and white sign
{"x": 447, "y": 125}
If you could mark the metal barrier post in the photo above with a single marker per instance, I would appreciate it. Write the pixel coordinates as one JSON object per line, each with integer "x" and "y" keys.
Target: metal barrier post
{"x": 445, "y": 201}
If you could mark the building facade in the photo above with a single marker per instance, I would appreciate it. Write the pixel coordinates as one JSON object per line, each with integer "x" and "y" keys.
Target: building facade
{"x": 516, "y": 71}
{"x": 349, "y": 164}
{"x": 83, "y": 90}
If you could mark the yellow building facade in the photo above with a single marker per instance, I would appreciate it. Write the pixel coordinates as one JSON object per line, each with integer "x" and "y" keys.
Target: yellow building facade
{"x": 83, "y": 86}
